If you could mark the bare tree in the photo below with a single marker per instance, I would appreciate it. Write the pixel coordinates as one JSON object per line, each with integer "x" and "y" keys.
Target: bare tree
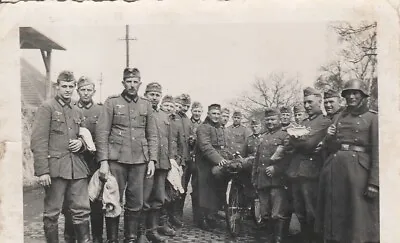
{"x": 275, "y": 90}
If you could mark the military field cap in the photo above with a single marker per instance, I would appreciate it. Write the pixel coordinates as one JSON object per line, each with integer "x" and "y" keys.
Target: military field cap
{"x": 83, "y": 81}
{"x": 255, "y": 121}
{"x": 330, "y": 93}
{"x": 66, "y": 76}
{"x": 298, "y": 108}
{"x": 311, "y": 91}
{"x": 196, "y": 104}
{"x": 271, "y": 112}
{"x": 285, "y": 109}
{"x": 226, "y": 110}
{"x": 153, "y": 87}
{"x": 214, "y": 106}
{"x": 167, "y": 98}
{"x": 186, "y": 99}
{"x": 237, "y": 113}
{"x": 131, "y": 73}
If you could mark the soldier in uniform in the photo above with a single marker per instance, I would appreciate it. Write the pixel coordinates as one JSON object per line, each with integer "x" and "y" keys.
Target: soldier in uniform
{"x": 304, "y": 168}
{"x": 210, "y": 151}
{"x": 127, "y": 145}
{"x": 57, "y": 150}
{"x": 238, "y": 133}
{"x": 286, "y": 116}
{"x": 348, "y": 198}
{"x": 197, "y": 111}
{"x": 91, "y": 111}
{"x": 268, "y": 175}
{"x": 225, "y": 115}
{"x": 299, "y": 113}
{"x": 154, "y": 187}
{"x": 184, "y": 104}
{"x": 332, "y": 104}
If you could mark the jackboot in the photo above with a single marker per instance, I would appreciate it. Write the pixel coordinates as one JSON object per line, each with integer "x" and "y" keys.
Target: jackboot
{"x": 152, "y": 226}
{"x": 112, "y": 229}
{"x": 305, "y": 236}
{"x": 180, "y": 204}
{"x": 173, "y": 214}
{"x": 141, "y": 231}
{"x": 97, "y": 222}
{"x": 82, "y": 232}
{"x": 51, "y": 231}
{"x": 131, "y": 223}
{"x": 195, "y": 209}
{"x": 164, "y": 228}
{"x": 69, "y": 235}
{"x": 279, "y": 230}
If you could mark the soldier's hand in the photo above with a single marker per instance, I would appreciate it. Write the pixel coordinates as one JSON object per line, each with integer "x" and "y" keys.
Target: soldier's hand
{"x": 331, "y": 130}
{"x": 75, "y": 145}
{"x": 319, "y": 147}
{"x": 270, "y": 171}
{"x": 150, "y": 169}
{"x": 104, "y": 170}
{"x": 372, "y": 191}
{"x": 45, "y": 180}
{"x": 223, "y": 162}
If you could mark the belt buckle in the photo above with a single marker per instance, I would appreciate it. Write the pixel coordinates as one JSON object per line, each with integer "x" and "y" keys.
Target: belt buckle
{"x": 345, "y": 146}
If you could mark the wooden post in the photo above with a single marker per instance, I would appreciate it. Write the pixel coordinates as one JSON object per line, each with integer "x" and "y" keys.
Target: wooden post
{"x": 46, "y": 56}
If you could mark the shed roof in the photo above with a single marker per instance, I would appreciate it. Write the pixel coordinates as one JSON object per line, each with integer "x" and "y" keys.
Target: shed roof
{"x": 30, "y": 38}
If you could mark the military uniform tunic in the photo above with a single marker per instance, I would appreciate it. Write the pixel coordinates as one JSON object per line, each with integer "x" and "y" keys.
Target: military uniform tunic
{"x": 344, "y": 214}
{"x": 56, "y": 123}
{"x": 238, "y": 136}
{"x": 126, "y": 136}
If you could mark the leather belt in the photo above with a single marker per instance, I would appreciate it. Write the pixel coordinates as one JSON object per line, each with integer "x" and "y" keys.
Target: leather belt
{"x": 349, "y": 147}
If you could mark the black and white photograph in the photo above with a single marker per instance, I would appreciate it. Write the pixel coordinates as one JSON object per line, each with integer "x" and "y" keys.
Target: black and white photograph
{"x": 199, "y": 124}
{"x": 201, "y": 132}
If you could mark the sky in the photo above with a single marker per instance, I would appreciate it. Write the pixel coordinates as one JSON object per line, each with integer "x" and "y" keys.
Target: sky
{"x": 214, "y": 63}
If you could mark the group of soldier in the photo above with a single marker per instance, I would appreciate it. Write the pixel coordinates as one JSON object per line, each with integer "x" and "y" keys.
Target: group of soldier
{"x": 327, "y": 176}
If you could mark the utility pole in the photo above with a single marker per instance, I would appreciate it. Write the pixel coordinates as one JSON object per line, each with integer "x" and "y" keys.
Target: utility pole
{"x": 127, "y": 39}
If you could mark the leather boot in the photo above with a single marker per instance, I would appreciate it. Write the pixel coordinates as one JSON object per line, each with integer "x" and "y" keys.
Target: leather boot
{"x": 152, "y": 226}
{"x": 305, "y": 233}
{"x": 195, "y": 209}
{"x": 112, "y": 229}
{"x": 97, "y": 222}
{"x": 172, "y": 214}
{"x": 51, "y": 231}
{"x": 180, "y": 204}
{"x": 131, "y": 223}
{"x": 141, "y": 233}
{"x": 278, "y": 232}
{"x": 164, "y": 227}
{"x": 69, "y": 235}
{"x": 82, "y": 232}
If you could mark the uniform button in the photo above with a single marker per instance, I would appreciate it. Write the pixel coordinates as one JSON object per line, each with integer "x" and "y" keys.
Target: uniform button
{"x": 354, "y": 155}
{"x": 311, "y": 159}
{"x": 359, "y": 115}
{"x": 334, "y": 154}
{"x": 340, "y": 123}
{"x": 69, "y": 128}
{"x": 356, "y": 130}
{"x": 355, "y": 139}
{"x": 133, "y": 138}
{"x": 358, "y": 123}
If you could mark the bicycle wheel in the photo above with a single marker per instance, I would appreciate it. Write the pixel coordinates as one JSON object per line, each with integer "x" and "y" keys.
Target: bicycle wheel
{"x": 233, "y": 214}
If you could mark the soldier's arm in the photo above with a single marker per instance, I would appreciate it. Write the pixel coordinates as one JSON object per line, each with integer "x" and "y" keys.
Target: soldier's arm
{"x": 151, "y": 133}
{"x": 173, "y": 140}
{"x": 205, "y": 146}
{"x": 103, "y": 129}
{"x": 282, "y": 165}
{"x": 374, "y": 170}
{"x": 316, "y": 135}
{"x": 40, "y": 140}
{"x": 255, "y": 163}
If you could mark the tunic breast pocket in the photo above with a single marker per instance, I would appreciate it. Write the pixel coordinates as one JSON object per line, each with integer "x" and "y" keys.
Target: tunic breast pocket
{"x": 142, "y": 119}
{"x": 94, "y": 119}
{"x": 57, "y": 125}
{"x": 120, "y": 119}
{"x": 115, "y": 146}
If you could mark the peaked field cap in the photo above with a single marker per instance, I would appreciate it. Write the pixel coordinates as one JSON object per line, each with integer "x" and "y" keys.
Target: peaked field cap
{"x": 330, "y": 93}
{"x": 153, "y": 87}
{"x": 271, "y": 112}
{"x": 214, "y": 106}
{"x": 298, "y": 108}
{"x": 196, "y": 104}
{"x": 66, "y": 76}
{"x": 285, "y": 109}
{"x": 83, "y": 81}
{"x": 225, "y": 110}
{"x": 168, "y": 98}
{"x": 311, "y": 91}
{"x": 237, "y": 113}
{"x": 255, "y": 121}
{"x": 186, "y": 99}
{"x": 131, "y": 73}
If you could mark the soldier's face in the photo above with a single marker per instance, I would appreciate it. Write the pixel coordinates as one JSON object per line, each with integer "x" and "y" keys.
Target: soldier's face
{"x": 237, "y": 120}
{"x": 196, "y": 112}
{"x": 299, "y": 116}
{"x": 86, "y": 92}
{"x": 224, "y": 118}
{"x": 353, "y": 98}
{"x": 185, "y": 108}
{"x": 66, "y": 89}
{"x": 168, "y": 107}
{"x": 178, "y": 107}
{"x": 153, "y": 97}
{"x": 132, "y": 85}
{"x": 285, "y": 118}
{"x": 272, "y": 122}
{"x": 214, "y": 115}
{"x": 331, "y": 105}
{"x": 256, "y": 129}
{"x": 312, "y": 104}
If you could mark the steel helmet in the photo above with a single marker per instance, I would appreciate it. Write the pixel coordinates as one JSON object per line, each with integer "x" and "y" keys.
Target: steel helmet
{"x": 355, "y": 84}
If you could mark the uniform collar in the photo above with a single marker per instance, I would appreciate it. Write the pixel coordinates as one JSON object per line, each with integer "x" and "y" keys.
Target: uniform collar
{"x": 63, "y": 102}
{"x": 195, "y": 121}
{"x": 181, "y": 114}
{"x": 275, "y": 129}
{"x": 129, "y": 98}
{"x": 83, "y": 105}
{"x": 236, "y": 126}
{"x": 361, "y": 109}
{"x": 310, "y": 118}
